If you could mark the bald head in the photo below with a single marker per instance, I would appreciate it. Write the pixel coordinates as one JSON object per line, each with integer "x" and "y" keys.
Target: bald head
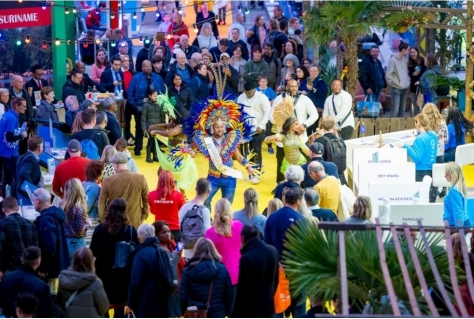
{"x": 316, "y": 170}
{"x": 17, "y": 82}
{"x": 184, "y": 41}
{"x": 146, "y": 67}
{"x": 181, "y": 59}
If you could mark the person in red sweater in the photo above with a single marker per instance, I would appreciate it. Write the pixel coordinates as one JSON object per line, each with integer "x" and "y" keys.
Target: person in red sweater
{"x": 73, "y": 167}
{"x": 165, "y": 202}
{"x": 176, "y": 29}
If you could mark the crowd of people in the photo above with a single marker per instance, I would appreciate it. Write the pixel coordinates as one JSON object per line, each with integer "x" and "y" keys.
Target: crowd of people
{"x": 94, "y": 250}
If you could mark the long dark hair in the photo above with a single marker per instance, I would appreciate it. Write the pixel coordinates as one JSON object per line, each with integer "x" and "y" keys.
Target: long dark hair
{"x": 411, "y": 62}
{"x": 115, "y": 216}
{"x": 285, "y": 128}
{"x": 457, "y": 118}
{"x": 305, "y": 72}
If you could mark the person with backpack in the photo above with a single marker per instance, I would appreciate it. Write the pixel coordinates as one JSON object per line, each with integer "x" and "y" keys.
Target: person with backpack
{"x": 428, "y": 79}
{"x": 334, "y": 147}
{"x": 152, "y": 278}
{"x": 115, "y": 228}
{"x": 93, "y": 141}
{"x": 194, "y": 217}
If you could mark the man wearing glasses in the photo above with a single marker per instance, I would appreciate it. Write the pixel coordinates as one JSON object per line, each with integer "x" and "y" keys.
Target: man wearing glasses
{"x": 73, "y": 86}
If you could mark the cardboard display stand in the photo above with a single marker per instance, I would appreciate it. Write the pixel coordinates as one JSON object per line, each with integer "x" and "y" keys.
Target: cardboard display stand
{"x": 428, "y": 214}
{"x": 383, "y": 173}
{"x": 375, "y": 155}
{"x": 398, "y": 193}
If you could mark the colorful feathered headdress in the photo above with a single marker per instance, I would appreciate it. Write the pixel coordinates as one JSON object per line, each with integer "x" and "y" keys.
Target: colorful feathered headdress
{"x": 283, "y": 111}
{"x": 167, "y": 104}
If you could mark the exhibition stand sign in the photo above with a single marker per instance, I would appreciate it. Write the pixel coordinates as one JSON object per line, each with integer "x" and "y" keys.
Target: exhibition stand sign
{"x": 429, "y": 214}
{"x": 398, "y": 193}
{"x": 384, "y": 173}
{"x": 375, "y": 155}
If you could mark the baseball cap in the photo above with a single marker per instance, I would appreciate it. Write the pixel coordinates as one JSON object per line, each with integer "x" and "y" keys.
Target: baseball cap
{"x": 119, "y": 158}
{"x": 88, "y": 103}
{"x": 317, "y": 148}
{"x": 74, "y": 146}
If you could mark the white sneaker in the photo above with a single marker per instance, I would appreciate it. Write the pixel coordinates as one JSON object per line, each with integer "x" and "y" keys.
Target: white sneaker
{"x": 255, "y": 180}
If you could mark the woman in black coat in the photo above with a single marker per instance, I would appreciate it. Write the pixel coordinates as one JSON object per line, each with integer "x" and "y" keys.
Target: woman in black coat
{"x": 198, "y": 84}
{"x": 114, "y": 229}
{"x": 198, "y": 274}
{"x": 184, "y": 95}
{"x": 416, "y": 68}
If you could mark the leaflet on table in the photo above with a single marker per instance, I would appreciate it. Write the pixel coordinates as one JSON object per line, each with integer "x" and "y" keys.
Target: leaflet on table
{"x": 217, "y": 160}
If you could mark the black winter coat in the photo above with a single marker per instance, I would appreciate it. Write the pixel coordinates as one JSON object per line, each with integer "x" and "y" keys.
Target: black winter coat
{"x": 24, "y": 280}
{"x": 103, "y": 247}
{"x": 149, "y": 288}
{"x": 258, "y": 280}
{"x": 184, "y": 97}
{"x": 368, "y": 74}
{"x": 70, "y": 88}
{"x": 416, "y": 78}
{"x": 195, "y": 284}
{"x": 52, "y": 241}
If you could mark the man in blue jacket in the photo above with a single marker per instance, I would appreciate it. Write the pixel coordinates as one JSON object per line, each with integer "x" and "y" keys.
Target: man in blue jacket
{"x": 275, "y": 234}
{"x": 317, "y": 91}
{"x": 12, "y": 132}
{"x": 141, "y": 82}
{"x": 51, "y": 237}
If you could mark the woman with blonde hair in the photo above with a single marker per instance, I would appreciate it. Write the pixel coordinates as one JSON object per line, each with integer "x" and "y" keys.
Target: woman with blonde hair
{"x": 250, "y": 215}
{"x": 206, "y": 39}
{"x": 75, "y": 206}
{"x": 273, "y": 205}
{"x": 362, "y": 211}
{"x": 455, "y": 205}
{"x": 225, "y": 234}
{"x": 107, "y": 153}
{"x": 438, "y": 125}
{"x": 423, "y": 151}
{"x": 203, "y": 271}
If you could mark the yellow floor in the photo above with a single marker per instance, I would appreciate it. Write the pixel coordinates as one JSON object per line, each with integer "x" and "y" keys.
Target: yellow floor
{"x": 264, "y": 188}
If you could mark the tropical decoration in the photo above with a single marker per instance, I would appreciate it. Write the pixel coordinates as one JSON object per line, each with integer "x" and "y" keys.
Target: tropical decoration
{"x": 311, "y": 264}
{"x": 167, "y": 104}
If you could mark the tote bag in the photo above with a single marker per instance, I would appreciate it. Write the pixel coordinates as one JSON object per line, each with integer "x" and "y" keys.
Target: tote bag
{"x": 282, "y": 294}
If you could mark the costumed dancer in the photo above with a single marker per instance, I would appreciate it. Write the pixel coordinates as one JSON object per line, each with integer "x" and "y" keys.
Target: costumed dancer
{"x": 283, "y": 116}
{"x": 180, "y": 159}
{"x": 217, "y": 127}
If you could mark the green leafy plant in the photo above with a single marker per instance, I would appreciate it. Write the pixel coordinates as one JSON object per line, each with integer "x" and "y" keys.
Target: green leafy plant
{"x": 311, "y": 265}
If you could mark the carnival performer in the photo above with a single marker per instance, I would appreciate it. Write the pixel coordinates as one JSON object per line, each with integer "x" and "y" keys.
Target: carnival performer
{"x": 180, "y": 159}
{"x": 289, "y": 136}
{"x": 217, "y": 127}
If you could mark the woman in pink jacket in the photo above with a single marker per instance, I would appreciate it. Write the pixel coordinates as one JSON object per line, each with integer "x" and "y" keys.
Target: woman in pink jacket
{"x": 225, "y": 234}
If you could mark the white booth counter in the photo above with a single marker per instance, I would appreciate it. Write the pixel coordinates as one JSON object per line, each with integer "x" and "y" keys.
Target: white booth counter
{"x": 373, "y": 142}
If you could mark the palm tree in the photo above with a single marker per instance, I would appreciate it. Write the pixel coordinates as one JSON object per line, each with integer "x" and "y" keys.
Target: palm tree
{"x": 348, "y": 20}
{"x": 311, "y": 264}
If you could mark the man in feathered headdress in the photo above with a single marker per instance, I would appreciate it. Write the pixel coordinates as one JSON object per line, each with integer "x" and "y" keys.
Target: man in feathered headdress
{"x": 217, "y": 127}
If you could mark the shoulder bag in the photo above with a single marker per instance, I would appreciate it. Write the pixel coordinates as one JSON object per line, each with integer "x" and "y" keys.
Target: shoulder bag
{"x": 123, "y": 251}
{"x": 194, "y": 312}
{"x": 335, "y": 113}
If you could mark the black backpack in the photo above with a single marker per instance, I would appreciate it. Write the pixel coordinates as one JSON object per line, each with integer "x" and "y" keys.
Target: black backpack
{"x": 336, "y": 152}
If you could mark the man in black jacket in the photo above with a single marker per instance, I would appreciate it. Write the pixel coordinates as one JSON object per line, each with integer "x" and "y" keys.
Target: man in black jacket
{"x": 113, "y": 125}
{"x": 87, "y": 83}
{"x": 372, "y": 75}
{"x": 112, "y": 77}
{"x": 17, "y": 90}
{"x": 258, "y": 277}
{"x": 73, "y": 86}
{"x": 28, "y": 168}
{"x": 25, "y": 280}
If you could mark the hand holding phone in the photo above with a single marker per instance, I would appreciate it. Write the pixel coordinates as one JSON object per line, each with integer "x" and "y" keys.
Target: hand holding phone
{"x": 179, "y": 246}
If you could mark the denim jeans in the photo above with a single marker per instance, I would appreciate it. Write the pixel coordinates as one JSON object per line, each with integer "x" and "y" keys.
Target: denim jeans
{"x": 74, "y": 244}
{"x": 449, "y": 155}
{"x": 225, "y": 184}
{"x": 9, "y": 175}
{"x": 398, "y": 102}
{"x": 433, "y": 190}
